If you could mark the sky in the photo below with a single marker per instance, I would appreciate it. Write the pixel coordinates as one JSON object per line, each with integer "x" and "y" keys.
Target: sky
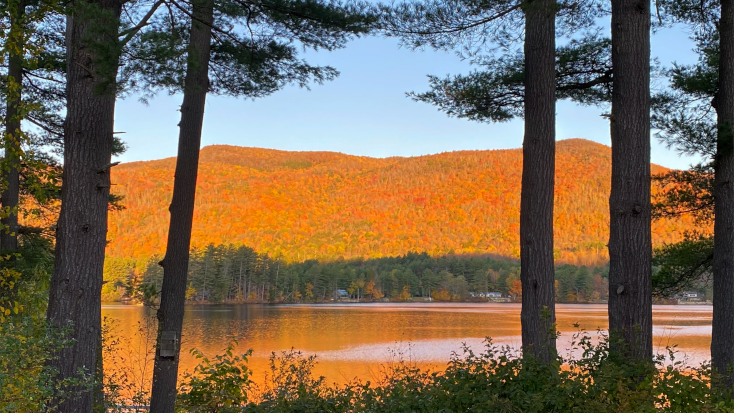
{"x": 365, "y": 111}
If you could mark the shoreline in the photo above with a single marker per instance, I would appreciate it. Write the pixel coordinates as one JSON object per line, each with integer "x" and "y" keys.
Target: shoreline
{"x": 355, "y": 302}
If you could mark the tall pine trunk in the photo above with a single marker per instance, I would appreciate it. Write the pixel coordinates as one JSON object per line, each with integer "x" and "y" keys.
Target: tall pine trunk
{"x": 76, "y": 282}
{"x": 538, "y": 179}
{"x": 722, "y": 334}
{"x": 176, "y": 261}
{"x": 10, "y": 176}
{"x": 630, "y": 242}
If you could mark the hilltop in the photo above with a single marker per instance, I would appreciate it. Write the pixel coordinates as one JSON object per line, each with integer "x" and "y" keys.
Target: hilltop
{"x": 326, "y": 205}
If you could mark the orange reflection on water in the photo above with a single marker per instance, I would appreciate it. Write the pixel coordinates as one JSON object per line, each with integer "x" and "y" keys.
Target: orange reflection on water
{"x": 354, "y": 340}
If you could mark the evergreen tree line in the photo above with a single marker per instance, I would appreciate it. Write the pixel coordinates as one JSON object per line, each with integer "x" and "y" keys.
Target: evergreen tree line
{"x": 229, "y": 273}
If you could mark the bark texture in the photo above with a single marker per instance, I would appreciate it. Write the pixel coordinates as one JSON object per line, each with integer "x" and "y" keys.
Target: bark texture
{"x": 76, "y": 282}
{"x": 176, "y": 261}
{"x": 630, "y": 239}
{"x": 538, "y": 179}
{"x": 11, "y": 193}
{"x": 722, "y": 334}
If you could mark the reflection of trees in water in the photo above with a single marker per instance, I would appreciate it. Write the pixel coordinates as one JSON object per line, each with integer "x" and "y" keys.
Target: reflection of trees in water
{"x": 342, "y": 333}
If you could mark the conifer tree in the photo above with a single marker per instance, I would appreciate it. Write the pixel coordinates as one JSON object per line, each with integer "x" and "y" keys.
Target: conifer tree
{"x": 537, "y": 272}
{"x": 722, "y": 333}
{"x": 685, "y": 119}
{"x": 76, "y": 283}
{"x": 11, "y": 178}
{"x": 95, "y": 37}
{"x": 709, "y": 85}
{"x": 175, "y": 263}
{"x": 211, "y": 58}
{"x": 28, "y": 49}
{"x": 517, "y": 84}
{"x": 630, "y": 233}
{"x": 32, "y": 50}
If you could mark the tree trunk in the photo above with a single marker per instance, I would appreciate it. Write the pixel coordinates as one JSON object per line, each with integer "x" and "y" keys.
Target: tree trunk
{"x": 630, "y": 245}
{"x": 538, "y": 177}
{"x": 176, "y": 260}
{"x": 241, "y": 280}
{"x": 11, "y": 178}
{"x": 722, "y": 333}
{"x": 81, "y": 235}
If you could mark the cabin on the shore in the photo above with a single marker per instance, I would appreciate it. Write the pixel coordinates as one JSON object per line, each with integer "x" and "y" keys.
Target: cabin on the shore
{"x": 340, "y": 294}
{"x": 690, "y": 296}
{"x": 493, "y": 294}
{"x": 202, "y": 296}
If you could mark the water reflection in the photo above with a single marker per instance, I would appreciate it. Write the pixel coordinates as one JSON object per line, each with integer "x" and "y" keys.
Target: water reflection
{"x": 352, "y": 340}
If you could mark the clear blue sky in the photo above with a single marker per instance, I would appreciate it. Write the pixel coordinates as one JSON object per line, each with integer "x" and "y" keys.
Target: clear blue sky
{"x": 365, "y": 111}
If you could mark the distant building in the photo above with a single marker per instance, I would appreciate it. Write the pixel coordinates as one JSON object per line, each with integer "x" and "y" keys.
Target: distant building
{"x": 202, "y": 296}
{"x": 493, "y": 294}
{"x": 689, "y": 297}
{"x": 341, "y": 294}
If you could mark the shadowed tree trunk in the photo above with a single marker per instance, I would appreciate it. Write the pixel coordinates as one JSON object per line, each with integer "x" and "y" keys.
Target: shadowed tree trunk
{"x": 10, "y": 196}
{"x": 630, "y": 245}
{"x": 538, "y": 177}
{"x": 722, "y": 334}
{"x": 176, "y": 261}
{"x": 76, "y": 283}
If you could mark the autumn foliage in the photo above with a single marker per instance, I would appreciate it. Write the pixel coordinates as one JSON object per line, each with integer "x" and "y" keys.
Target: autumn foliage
{"x": 325, "y": 205}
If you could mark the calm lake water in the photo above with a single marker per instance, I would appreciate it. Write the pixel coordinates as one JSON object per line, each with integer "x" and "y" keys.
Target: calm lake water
{"x": 354, "y": 340}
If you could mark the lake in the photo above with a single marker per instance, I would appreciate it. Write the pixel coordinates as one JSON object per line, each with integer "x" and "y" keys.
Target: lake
{"x": 354, "y": 340}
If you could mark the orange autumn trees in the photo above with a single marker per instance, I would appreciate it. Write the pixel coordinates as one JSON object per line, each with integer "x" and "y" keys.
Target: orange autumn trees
{"x": 324, "y": 205}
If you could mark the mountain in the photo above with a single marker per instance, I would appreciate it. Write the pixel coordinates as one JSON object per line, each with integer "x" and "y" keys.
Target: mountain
{"x": 326, "y": 205}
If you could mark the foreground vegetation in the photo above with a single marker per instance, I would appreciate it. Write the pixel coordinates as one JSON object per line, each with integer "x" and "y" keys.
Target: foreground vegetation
{"x": 495, "y": 379}
{"x": 492, "y": 379}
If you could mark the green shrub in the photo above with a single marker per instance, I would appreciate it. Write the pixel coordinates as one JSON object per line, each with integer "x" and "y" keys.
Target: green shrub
{"x": 27, "y": 383}
{"x": 291, "y": 386}
{"x": 497, "y": 379}
{"x": 218, "y": 385}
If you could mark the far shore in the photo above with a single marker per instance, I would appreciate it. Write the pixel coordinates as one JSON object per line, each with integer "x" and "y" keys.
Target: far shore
{"x": 387, "y": 301}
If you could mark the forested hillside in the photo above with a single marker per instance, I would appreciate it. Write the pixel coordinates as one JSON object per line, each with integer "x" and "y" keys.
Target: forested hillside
{"x": 324, "y": 205}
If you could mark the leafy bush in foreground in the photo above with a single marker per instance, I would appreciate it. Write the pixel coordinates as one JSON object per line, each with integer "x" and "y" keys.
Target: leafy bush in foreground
{"x": 494, "y": 380}
{"x": 27, "y": 342}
